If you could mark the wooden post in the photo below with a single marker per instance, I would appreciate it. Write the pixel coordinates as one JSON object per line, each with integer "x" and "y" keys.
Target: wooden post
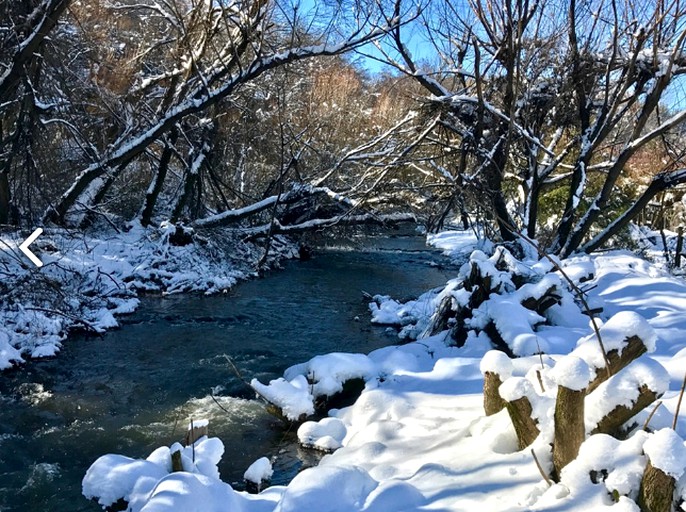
{"x": 679, "y": 247}
{"x": 525, "y": 426}
{"x": 657, "y": 491}
{"x": 192, "y": 435}
{"x": 177, "y": 465}
{"x": 493, "y": 403}
{"x": 570, "y": 430}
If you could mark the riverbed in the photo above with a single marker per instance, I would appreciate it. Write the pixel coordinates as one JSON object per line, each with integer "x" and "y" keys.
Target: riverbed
{"x": 136, "y": 388}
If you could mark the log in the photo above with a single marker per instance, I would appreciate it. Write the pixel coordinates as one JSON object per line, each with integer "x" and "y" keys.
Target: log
{"x": 493, "y": 402}
{"x": 633, "y": 349}
{"x": 611, "y": 423}
{"x": 547, "y": 299}
{"x": 525, "y": 426}
{"x": 440, "y": 319}
{"x": 192, "y": 435}
{"x": 657, "y": 491}
{"x": 570, "y": 430}
{"x": 177, "y": 465}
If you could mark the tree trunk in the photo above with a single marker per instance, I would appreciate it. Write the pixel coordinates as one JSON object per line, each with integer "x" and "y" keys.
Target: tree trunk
{"x": 5, "y": 198}
{"x": 493, "y": 402}
{"x": 156, "y": 187}
{"x": 570, "y": 431}
{"x": 525, "y": 426}
{"x": 657, "y": 491}
{"x": 679, "y": 247}
{"x": 191, "y": 183}
{"x": 660, "y": 183}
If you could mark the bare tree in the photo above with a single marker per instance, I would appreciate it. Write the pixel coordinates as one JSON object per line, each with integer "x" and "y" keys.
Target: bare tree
{"x": 550, "y": 96}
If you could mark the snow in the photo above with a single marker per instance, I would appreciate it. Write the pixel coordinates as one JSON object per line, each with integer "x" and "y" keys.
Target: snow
{"x": 572, "y": 373}
{"x": 515, "y": 388}
{"x": 666, "y": 451}
{"x": 329, "y": 372}
{"x": 614, "y": 334}
{"x": 417, "y": 439}
{"x": 326, "y": 434}
{"x": 622, "y": 389}
{"x": 497, "y": 362}
{"x": 457, "y": 244}
{"x": 600, "y": 454}
{"x": 112, "y": 477}
{"x": 259, "y": 471}
{"x": 292, "y": 396}
{"x": 333, "y": 488}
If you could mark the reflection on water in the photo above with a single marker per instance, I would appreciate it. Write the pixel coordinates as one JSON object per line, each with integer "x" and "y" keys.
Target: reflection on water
{"x": 136, "y": 388}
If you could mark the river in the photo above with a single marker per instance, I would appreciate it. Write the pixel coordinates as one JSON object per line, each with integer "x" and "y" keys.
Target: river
{"x": 135, "y": 388}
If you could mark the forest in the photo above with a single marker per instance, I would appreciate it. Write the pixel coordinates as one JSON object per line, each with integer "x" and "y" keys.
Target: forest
{"x": 561, "y": 122}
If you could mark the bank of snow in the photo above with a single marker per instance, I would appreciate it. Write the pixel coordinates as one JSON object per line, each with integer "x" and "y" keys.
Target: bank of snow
{"x": 86, "y": 281}
{"x": 417, "y": 438}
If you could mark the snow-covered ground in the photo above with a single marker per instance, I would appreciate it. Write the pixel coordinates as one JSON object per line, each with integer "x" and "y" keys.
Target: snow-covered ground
{"x": 86, "y": 281}
{"x": 417, "y": 438}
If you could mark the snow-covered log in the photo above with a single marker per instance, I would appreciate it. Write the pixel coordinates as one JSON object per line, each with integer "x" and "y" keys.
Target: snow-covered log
{"x": 298, "y": 193}
{"x": 624, "y": 395}
{"x": 623, "y": 413}
{"x": 618, "y": 360}
{"x": 276, "y": 228}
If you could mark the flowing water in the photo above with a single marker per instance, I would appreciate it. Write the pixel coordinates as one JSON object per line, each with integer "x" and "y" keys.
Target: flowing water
{"x": 135, "y": 388}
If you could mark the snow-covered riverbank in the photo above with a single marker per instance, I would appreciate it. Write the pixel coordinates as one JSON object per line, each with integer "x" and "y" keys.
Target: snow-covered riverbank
{"x": 418, "y": 439}
{"x": 86, "y": 281}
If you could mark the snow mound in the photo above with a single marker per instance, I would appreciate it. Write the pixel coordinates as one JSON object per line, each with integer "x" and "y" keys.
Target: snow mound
{"x": 604, "y": 466}
{"x": 515, "y": 388}
{"x": 330, "y": 488}
{"x": 329, "y": 372}
{"x": 496, "y": 361}
{"x": 190, "y": 493}
{"x": 259, "y": 471}
{"x": 666, "y": 452}
{"x": 572, "y": 373}
{"x": 292, "y": 396}
{"x": 113, "y": 477}
{"x": 615, "y": 333}
{"x": 394, "y": 495}
{"x": 326, "y": 434}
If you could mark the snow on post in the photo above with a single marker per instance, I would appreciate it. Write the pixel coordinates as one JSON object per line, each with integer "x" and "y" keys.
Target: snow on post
{"x": 572, "y": 376}
{"x": 258, "y": 475}
{"x": 495, "y": 366}
{"x": 666, "y": 463}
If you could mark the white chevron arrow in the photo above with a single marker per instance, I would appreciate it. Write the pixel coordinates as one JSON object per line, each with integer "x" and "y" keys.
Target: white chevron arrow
{"x": 24, "y": 247}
